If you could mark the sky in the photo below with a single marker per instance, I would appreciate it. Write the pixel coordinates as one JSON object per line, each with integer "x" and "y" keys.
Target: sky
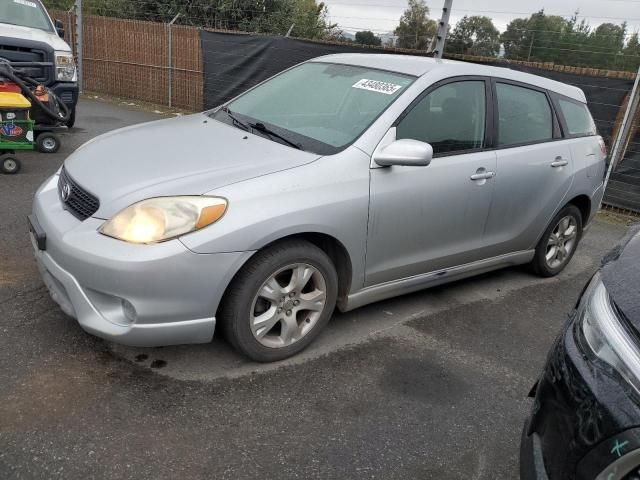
{"x": 382, "y": 16}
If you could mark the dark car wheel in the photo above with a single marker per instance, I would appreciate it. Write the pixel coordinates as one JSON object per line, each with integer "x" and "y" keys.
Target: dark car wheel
{"x": 280, "y": 301}
{"x": 559, "y": 242}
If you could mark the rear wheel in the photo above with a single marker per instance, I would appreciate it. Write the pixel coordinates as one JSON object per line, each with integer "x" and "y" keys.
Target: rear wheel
{"x": 10, "y": 165}
{"x": 48, "y": 142}
{"x": 559, "y": 242}
{"x": 280, "y": 301}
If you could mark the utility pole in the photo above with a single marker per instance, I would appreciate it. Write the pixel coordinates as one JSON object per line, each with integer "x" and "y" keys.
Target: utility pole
{"x": 443, "y": 28}
{"x": 78, "y": 8}
{"x": 171, "y": 58}
{"x": 533, "y": 34}
{"x": 290, "y": 30}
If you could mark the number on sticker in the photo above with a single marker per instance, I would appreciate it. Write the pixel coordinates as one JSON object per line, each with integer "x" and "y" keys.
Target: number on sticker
{"x": 377, "y": 86}
{"x": 26, "y": 3}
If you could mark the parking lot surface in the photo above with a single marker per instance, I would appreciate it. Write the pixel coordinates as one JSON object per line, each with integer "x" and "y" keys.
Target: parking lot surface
{"x": 428, "y": 386}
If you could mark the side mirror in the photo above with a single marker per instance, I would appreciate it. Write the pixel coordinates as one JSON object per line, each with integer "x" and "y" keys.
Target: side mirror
{"x": 59, "y": 28}
{"x": 407, "y": 152}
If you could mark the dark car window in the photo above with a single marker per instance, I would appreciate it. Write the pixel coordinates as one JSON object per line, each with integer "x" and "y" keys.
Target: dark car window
{"x": 524, "y": 115}
{"x": 451, "y": 118}
{"x": 578, "y": 118}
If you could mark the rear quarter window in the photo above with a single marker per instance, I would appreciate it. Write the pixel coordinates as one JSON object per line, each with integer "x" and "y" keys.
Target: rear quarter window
{"x": 577, "y": 117}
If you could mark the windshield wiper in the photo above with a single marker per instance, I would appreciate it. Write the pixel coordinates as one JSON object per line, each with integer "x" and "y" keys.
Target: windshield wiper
{"x": 261, "y": 127}
{"x": 235, "y": 119}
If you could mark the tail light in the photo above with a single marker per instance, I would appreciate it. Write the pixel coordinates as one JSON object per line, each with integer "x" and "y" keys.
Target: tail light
{"x": 603, "y": 147}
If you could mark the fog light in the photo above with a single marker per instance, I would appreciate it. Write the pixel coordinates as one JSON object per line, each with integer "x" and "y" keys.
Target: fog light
{"x": 129, "y": 310}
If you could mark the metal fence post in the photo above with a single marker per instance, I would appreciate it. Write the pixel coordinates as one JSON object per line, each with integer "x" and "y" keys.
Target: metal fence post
{"x": 620, "y": 144}
{"x": 443, "y": 28}
{"x": 79, "y": 52}
{"x": 171, "y": 58}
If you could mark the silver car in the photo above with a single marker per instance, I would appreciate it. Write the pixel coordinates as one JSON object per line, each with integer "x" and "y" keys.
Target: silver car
{"x": 342, "y": 181}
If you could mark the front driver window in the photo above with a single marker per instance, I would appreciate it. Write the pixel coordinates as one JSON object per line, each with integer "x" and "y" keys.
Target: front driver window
{"x": 451, "y": 118}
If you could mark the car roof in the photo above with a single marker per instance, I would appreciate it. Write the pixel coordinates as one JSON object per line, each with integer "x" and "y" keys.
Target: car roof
{"x": 419, "y": 66}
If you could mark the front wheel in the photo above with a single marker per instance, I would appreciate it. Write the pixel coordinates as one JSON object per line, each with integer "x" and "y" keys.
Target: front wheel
{"x": 72, "y": 118}
{"x": 280, "y": 301}
{"x": 10, "y": 165}
{"x": 558, "y": 243}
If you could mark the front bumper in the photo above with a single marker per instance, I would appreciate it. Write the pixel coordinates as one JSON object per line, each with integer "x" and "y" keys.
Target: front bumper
{"x": 96, "y": 279}
{"x": 582, "y": 410}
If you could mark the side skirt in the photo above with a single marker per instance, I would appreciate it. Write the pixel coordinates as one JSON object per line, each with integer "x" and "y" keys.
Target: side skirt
{"x": 403, "y": 286}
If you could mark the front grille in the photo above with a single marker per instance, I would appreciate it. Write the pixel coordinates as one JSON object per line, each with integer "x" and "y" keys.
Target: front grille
{"x": 80, "y": 203}
{"x": 15, "y": 53}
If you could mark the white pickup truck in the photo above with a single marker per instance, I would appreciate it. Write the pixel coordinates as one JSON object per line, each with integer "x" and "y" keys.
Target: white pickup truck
{"x": 28, "y": 34}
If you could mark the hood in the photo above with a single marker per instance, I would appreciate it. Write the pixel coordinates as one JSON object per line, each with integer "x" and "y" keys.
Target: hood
{"x": 189, "y": 155}
{"x": 621, "y": 276}
{"x": 34, "y": 34}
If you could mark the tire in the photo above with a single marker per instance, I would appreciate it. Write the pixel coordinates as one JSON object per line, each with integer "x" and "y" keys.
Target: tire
{"x": 559, "y": 248}
{"x": 287, "y": 327}
{"x": 72, "y": 118}
{"x": 10, "y": 165}
{"x": 48, "y": 142}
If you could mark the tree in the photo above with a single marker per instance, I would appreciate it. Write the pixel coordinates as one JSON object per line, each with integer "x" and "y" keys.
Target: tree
{"x": 474, "y": 35}
{"x": 536, "y": 39}
{"x": 266, "y": 16}
{"x": 416, "y": 29}
{"x": 632, "y": 53}
{"x": 367, "y": 37}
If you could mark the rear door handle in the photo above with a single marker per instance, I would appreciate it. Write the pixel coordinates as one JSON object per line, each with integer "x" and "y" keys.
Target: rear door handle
{"x": 559, "y": 162}
{"x": 483, "y": 176}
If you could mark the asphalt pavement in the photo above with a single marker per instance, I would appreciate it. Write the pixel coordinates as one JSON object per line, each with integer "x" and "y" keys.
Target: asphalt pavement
{"x": 427, "y": 386}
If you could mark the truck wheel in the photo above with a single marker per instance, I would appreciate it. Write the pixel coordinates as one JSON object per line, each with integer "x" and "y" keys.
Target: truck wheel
{"x": 280, "y": 301}
{"x": 72, "y": 118}
{"x": 48, "y": 142}
{"x": 558, "y": 243}
{"x": 10, "y": 165}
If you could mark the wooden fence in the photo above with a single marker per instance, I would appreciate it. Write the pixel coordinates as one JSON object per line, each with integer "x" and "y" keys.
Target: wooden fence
{"x": 130, "y": 59}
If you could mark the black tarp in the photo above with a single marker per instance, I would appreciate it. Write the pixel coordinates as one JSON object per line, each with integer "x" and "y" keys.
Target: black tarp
{"x": 235, "y": 62}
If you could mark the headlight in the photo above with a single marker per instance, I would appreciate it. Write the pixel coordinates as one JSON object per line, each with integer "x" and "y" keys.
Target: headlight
{"x": 65, "y": 67}
{"x": 164, "y": 218}
{"x": 606, "y": 335}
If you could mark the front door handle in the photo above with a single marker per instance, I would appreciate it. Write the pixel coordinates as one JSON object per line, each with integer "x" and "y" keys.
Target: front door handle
{"x": 559, "y": 162}
{"x": 483, "y": 176}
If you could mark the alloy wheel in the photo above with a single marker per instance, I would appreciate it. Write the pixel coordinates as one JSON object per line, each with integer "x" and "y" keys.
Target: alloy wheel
{"x": 562, "y": 241}
{"x": 288, "y": 305}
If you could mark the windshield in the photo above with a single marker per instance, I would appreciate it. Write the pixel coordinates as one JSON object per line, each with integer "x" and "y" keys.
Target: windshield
{"x": 320, "y": 106}
{"x": 25, "y": 13}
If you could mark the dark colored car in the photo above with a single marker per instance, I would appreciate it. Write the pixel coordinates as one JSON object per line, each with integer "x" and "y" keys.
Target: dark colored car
{"x": 585, "y": 422}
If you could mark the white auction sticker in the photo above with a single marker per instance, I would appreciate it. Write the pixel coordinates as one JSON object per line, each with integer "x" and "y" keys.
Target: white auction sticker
{"x": 377, "y": 86}
{"x": 26, "y": 3}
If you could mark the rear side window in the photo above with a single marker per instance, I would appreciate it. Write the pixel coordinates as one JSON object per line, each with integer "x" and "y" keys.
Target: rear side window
{"x": 578, "y": 118}
{"x": 524, "y": 115}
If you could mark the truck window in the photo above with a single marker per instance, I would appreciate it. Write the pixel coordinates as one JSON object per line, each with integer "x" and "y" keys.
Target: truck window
{"x": 25, "y": 13}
